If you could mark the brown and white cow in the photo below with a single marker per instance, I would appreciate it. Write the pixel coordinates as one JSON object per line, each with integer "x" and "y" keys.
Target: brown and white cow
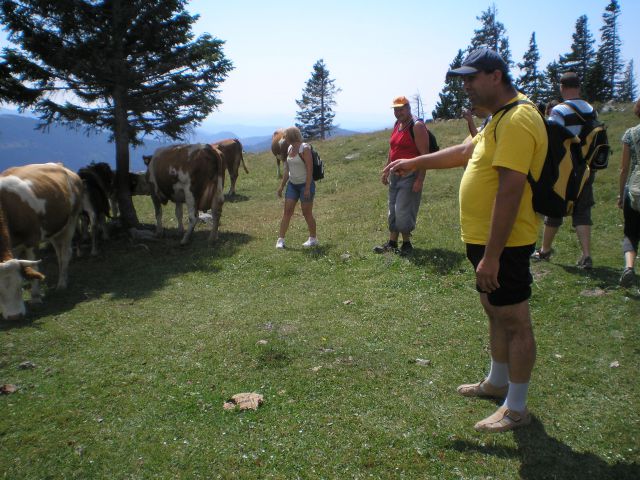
{"x": 279, "y": 148}
{"x": 191, "y": 174}
{"x": 231, "y": 151}
{"x": 13, "y": 272}
{"x": 41, "y": 202}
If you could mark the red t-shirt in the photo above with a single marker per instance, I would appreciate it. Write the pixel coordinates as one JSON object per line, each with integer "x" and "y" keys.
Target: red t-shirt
{"x": 402, "y": 145}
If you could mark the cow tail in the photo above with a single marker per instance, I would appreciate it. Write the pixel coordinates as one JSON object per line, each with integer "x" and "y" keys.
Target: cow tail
{"x": 242, "y": 161}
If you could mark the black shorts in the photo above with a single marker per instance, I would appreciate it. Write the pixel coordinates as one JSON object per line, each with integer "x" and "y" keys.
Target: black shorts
{"x": 514, "y": 276}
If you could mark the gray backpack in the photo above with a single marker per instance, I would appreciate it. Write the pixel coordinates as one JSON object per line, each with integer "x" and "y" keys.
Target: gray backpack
{"x": 633, "y": 184}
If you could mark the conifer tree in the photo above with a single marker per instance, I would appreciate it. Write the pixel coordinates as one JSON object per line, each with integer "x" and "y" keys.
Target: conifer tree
{"x": 315, "y": 117}
{"x": 628, "y": 90}
{"x": 609, "y": 50}
{"x": 131, "y": 67}
{"x": 531, "y": 80}
{"x": 551, "y": 83}
{"x": 582, "y": 54}
{"x": 596, "y": 88}
{"x": 452, "y": 98}
{"x": 492, "y": 34}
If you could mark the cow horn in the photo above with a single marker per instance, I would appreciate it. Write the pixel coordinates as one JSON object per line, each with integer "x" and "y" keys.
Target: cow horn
{"x": 29, "y": 263}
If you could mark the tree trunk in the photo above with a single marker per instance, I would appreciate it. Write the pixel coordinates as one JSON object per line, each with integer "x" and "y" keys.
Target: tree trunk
{"x": 128, "y": 214}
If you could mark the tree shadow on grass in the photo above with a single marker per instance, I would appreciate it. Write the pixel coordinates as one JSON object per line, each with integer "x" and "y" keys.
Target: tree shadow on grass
{"x": 127, "y": 269}
{"x": 543, "y": 457}
{"x": 439, "y": 259}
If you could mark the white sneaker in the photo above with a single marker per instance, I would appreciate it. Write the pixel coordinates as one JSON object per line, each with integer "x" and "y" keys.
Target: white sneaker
{"x": 280, "y": 243}
{"x": 312, "y": 242}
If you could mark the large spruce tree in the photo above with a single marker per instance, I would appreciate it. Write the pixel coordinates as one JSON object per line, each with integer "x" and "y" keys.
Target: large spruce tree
{"x": 492, "y": 34}
{"x": 596, "y": 87}
{"x": 315, "y": 117}
{"x": 609, "y": 51}
{"x": 531, "y": 80}
{"x": 452, "y": 98}
{"x": 582, "y": 54}
{"x": 551, "y": 83}
{"x": 131, "y": 67}
{"x": 628, "y": 90}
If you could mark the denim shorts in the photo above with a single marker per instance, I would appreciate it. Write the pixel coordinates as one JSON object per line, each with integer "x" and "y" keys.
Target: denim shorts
{"x": 514, "y": 276}
{"x": 295, "y": 191}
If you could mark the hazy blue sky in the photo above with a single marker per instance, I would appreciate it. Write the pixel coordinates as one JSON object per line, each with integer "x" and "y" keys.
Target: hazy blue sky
{"x": 375, "y": 50}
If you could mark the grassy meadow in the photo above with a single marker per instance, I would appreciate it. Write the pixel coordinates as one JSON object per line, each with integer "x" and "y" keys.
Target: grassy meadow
{"x": 131, "y": 365}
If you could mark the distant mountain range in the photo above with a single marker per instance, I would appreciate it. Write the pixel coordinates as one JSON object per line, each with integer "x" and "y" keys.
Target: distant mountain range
{"x": 21, "y": 143}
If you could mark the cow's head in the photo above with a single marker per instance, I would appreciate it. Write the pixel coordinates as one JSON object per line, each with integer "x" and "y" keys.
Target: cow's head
{"x": 12, "y": 273}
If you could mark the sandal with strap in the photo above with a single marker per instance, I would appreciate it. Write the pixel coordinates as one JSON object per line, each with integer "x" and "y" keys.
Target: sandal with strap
{"x": 482, "y": 389}
{"x": 503, "y": 420}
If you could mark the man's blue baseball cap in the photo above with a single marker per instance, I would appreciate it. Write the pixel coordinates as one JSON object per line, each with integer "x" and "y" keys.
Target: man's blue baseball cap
{"x": 481, "y": 60}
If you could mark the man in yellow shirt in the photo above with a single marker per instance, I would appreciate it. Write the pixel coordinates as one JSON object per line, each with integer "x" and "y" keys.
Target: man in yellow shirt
{"x": 499, "y": 226}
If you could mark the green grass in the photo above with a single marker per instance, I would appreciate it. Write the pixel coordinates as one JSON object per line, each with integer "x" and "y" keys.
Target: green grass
{"x": 135, "y": 360}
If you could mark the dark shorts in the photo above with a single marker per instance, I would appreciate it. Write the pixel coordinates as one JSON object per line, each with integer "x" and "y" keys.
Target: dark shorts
{"x": 295, "y": 191}
{"x": 514, "y": 275}
{"x": 631, "y": 226}
{"x": 581, "y": 210}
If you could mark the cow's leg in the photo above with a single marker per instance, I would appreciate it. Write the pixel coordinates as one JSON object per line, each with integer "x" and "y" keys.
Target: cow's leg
{"x": 157, "y": 207}
{"x": 93, "y": 223}
{"x": 102, "y": 223}
{"x": 113, "y": 201}
{"x": 62, "y": 245}
{"x": 232, "y": 188}
{"x": 179, "y": 218}
{"x": 216, "y": 209}
{"x": 192, "y": 210}
{"x": 82, "y": 232}
{"x": 278, "y": 167}
{"x": 35, "y": 295}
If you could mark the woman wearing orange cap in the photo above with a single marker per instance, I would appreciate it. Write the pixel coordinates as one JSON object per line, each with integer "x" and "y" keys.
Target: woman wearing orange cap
{"x": 408, "y": 139}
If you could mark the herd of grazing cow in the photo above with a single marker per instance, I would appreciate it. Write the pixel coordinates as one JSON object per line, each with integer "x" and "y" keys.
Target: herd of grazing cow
{"x": 50, "y": 203}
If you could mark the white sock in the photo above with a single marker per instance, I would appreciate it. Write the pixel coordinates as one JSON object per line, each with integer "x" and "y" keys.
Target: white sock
{"x": 499, "y": 374}
{"x": 517, "y": 396}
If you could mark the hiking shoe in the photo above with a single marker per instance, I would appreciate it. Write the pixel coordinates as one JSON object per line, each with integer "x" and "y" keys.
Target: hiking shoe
{"x": 628, "y": 277}
{"x": 585, "y": 263}
{"x": 280, "y": 243}
{"x": 387, "y": 247}
{"x": 312, "y": 242}
{"x": 539, "y": 255}
{"x": 406, "y": 249}
{"x": 503, "y": 420}
{"x": 482, "y": 389}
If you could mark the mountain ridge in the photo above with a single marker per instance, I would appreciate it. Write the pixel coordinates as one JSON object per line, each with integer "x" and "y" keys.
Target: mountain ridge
{"x": 22, "y": 143}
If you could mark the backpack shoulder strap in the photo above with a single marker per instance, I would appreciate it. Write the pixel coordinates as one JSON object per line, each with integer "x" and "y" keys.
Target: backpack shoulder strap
{"x": 504, "y": 109}
{"x": 412, "y": 124}
{"x": 575, "y": 110}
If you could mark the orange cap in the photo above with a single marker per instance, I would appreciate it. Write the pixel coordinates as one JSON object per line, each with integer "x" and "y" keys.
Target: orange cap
{"x": 400, "y": 102}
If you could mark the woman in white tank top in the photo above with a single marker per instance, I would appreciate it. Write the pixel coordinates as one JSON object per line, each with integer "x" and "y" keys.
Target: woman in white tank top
{"x": 298, "y": 178}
